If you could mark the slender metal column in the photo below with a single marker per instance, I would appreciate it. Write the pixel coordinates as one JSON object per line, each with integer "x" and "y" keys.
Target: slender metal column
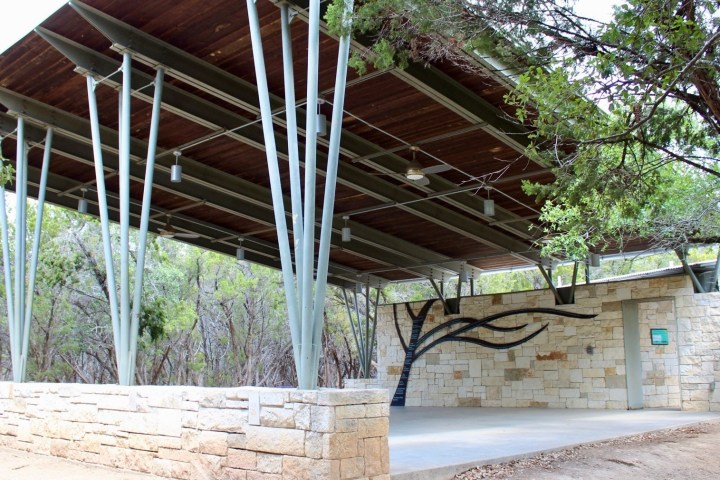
{"x": 292, "y": 135}
{"x": 308, "y": 375}
{"x": 104, "y": 219}
{"x": 363, "y": 326}
{"x": 20, "y": 228}
{"x": 361, "y": 351}
{"x": 275, "y": 183}
{"x": 40, "y": 209}
{"x": 124, "y": 180}
{"x": 330, "y": 184}
{"x": 144, "y": 220}
{"x": 7, "y": 270}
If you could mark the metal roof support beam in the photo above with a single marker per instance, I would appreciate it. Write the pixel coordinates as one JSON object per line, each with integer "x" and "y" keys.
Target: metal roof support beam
{"x": 144, "y": 220}
{"x": 330, "y": 177}
{"x": 124, "y": 179}
{"x": 105, "y": 226}
{"x": 219, "y": 190}
{"x": 305, "y": 303}
{"x": 202, "y": 75}
{"x": 307, "y": 374}
{"x": 207, "y": 114}
{"x": 296, "y": 315}
{"x": 363, "y": 324}
{"x": 292, "y": 130}
{"x": 39, "y": 212}
{"x": 20, "y": 298}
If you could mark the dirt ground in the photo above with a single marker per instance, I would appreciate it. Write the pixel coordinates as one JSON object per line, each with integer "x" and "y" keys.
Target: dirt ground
{"x": 683, "y": 453}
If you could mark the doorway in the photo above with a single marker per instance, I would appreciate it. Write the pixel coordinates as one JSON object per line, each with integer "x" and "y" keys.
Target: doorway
{"x": 652, "y": 360}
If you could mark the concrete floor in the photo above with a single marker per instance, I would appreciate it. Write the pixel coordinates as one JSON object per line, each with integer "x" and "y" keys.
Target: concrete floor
{"x": 436, "y": 443}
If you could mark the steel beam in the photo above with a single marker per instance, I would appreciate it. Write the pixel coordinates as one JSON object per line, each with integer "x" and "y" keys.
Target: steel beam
{"x": 196, "y": 72}
{"x": 227, "y": 192}
{"x": 70, "y": 148}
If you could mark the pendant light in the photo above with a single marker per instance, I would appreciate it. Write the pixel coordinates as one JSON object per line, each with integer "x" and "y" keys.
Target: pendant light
{"x": 463, "y": 278}
{"x": 414, "y": 171}
{"x": 346, "y": 232}
{"x": 489, "y": 204}
{"x": 82, "y": 202}
{"x": 176, "y": 170}
{"x": 321, "y": 126}
{"x": 240, "y": 251}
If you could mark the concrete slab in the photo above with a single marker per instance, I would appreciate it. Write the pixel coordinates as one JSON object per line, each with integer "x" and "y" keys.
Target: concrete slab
{"x": 436, "y": 443}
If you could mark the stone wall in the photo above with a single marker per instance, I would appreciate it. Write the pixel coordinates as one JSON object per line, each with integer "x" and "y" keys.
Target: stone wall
{"x": 573, "y": 363}
{"x": 203, "y": 433}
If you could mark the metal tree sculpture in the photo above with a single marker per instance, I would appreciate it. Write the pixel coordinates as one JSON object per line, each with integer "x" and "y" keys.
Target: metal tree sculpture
{"x": 417, "y": 346}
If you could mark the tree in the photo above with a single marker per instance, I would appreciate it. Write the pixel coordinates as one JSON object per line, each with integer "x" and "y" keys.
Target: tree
{"x": 625, "y": 112}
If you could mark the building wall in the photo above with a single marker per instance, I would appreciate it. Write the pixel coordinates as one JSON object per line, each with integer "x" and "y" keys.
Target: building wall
{"x": 573, "y": 363}
{"x": 192, "y": 433}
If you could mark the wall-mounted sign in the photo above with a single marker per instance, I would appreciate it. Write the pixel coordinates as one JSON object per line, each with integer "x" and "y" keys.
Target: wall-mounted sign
{"x": 659, "y": 336}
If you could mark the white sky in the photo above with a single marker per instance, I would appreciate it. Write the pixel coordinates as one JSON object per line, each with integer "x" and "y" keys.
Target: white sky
{"x": 21, "y": 17}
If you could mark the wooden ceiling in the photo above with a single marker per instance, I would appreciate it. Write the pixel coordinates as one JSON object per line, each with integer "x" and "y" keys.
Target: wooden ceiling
{"x": 401, "y": 230}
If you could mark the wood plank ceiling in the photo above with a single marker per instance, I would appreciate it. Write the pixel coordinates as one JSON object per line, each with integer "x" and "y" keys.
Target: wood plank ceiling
{"x": 401, "y": 230}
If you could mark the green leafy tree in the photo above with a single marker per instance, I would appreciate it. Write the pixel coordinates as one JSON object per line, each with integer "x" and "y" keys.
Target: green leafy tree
{"x": 626, "y": 112}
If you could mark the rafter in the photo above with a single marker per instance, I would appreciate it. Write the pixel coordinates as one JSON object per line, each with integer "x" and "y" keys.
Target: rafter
{"x": 148, "y": 49}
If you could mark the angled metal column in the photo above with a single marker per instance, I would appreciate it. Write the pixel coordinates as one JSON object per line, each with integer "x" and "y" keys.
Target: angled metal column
{"x": 20, "y": 298}
{"x": 39, "y": 211}
{"x": 363, "y": 323}
{"x": 124, "y": 314}
{"x": 305, "y": 292}
{"x": 330, "y": 183}
{"x": 275, "y": 183}
{"x": 144, "y": 220}
{"x": 104, "y": 219}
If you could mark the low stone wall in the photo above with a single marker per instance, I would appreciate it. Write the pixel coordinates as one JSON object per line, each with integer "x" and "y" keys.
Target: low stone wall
{"x": 573, "y": 363}
{"x": 203, "y": 433}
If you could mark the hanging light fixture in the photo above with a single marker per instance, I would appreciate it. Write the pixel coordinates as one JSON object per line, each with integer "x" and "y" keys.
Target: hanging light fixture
{"x": 346, "y": 232}
{"x": 489, "y": 204}
{"x": 321, "y": 120}
{"x": 593, "y": 259}
{"x": 414, "y": 171}
{"x": 176, "y": 170}
{"x": 240, "y": 251}
{"x": 82, "y": 202}
{"x": 463, "y": 278}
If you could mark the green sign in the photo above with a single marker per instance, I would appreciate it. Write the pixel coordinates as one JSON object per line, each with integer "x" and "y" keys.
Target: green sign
{"x": 659, "y": 336}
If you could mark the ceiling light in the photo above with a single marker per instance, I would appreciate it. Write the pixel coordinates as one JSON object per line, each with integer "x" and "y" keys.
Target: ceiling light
{"x": 321, "y": 126}
{"x": 346, "y": 232}
{"x": 414, "y": 171}
{"x": 463, "y": 278}
{"x": 82, "y": 202}
{"x": 489, "y": 204}
{"x": 176, "y": 170}
{"x": 240, "y": 251}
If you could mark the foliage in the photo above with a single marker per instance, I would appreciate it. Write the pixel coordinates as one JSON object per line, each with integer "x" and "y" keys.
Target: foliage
{"x": 6, "y": 169}
{"x": 626, "y": 113}
{"x": 206, "y": 319}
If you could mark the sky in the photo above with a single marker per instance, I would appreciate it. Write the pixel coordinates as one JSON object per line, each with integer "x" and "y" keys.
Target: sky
{"x": 21, "y": 17}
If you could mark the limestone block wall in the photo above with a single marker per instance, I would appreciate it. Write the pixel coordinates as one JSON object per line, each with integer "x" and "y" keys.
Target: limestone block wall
{"x": 203, "y": 433}
{"x": 573, "y": 363}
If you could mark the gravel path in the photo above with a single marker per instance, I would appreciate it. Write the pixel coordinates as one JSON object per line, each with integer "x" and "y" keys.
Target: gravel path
{"x": 683, "y": 453}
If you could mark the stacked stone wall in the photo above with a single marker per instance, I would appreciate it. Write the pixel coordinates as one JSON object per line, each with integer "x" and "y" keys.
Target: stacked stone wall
{"x": 574, "y": 363}
{"x": 196, "y": 433}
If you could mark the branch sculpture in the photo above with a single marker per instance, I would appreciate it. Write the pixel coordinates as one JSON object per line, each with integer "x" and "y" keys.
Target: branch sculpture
{"x": 420, "y": 344}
